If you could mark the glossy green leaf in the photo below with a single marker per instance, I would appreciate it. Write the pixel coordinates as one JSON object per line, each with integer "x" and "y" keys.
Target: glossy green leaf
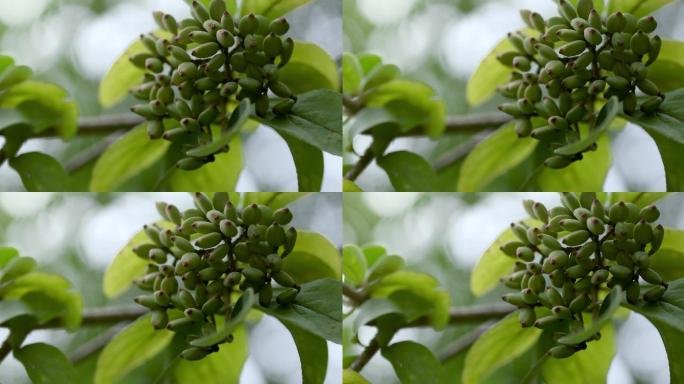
{"x": 353, "y": 265}
{"x": 414, "y": 363}
{"x": 490, "y": 74}
{"x": 220, "y": 175}
{"x": 315, "y": 119}
{"x": 46, "y": 364}
{"x": 413, "y": 104}
{"x": 611, "y": 303}
{"x": 589, "y": 174}
{"x": 493, "y": 157}
{"x": 498, "y": 346}
{"x": 126, "y": 265}
{"x": 318, "y": 309}
{"x": 380, "y": 75}
{"x": 271, "y": 8}
{"x": 373, "y": 253}
{"x": 309, "y": 69}
{"x": 352, "y": 74}
{"x": 13, "y": 75}
{"x": 313, "y": 257}
{"x": 667, "y": 316}
{"x": 368, "y": 61}
{"x": 603, "y": 121}
{"x": 638, "y": 8}
{"x": 494, "y": 263}
{"x": 240, "y": 312}
{"x": 350, "y": 186}
{"x": 668, "y": 71}
{"x": 40, "y": 172}
{"x": 408, "y": 172}
{"x": 422, "y": 286}
{"x": 275, "y": 200}
{"x": 352, "y": 377}
{"x": 123, "y": 75}
{"x": 665, "y": 128}
{"x": 5, "y": 62}
{"x": 589, "y": 366}
{"x": 126, "y": 158}
{"x": 129, "y": 349}
{"x": 7, "y": 254}
{"x": 308, "y": 161}
{"x": 225, "y": 364}
{"x": 313, "y": 354}
{"x": 44, "y": 106}
{"x": 669, "y": 260}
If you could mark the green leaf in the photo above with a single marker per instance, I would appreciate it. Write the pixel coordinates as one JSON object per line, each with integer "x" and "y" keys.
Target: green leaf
{"x": 309, "y": 69}
{"x": 494, "y": 263}
{"x": 313, "y": 354}
{"x": 414, "y": 363}
{"x": 350, "y": 186}
{"x": 315, "y": 119}
{"x": 669, "y": 260}
{"x": 668, "y": 71}
{"x": 271, "y": 8}
{"x": 240, "y": 312}
{"x": 40, "y": 172}
{"x": 46, "y": 364}
{"x": 7, "y": 254}
{"x": 44, "y": 105}
{"x": 490, "y": 73}
{"x": 368, "y": 118}
{"x": 313, "y": 257}
{"x": 225, "y": 365}
{"x": 373, "y": 253}
{"x": 39, "y": 290}
{"x": 274, "y": 200}
{"x": 318, "y": 309}
{"x": 610, "y": 304}
{"x": 408, "y": 172}
{"x": 13, "y": 75}
{"x": 586, "y": 367}
{"x": 127, "y": 157}
{"x": 414, "y": 104}
{"x": 638, "y": 8}
{"x": 352, "y": 377}
{"x": 308, "y": 161}
{"x": 667, "y": 316}
{"x": 5, "y": 62}
{"x": 123, "y": 75}
{"x": 352, "y": 74}
{"x": 665, "y": 128}
{"x": 131, "y": 348}
{"x": 369, "y": 61}
{"x": 502, "y": 343}
{"x": 588, "y": 174}
{"x": 422, "y": 286}
{"x": 126, "y": 265}
{"x": 353, "y": 265}
{"x": 603, "y": 121}
{"x": 497, "y": 154}
{"x": 381, "y": 74}
{"x": 220, "y": 175}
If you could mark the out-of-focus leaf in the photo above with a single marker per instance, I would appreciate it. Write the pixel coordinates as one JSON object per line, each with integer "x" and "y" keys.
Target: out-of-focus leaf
{"x": 45, "y": 364}
{"x": 310, "y": 68}
{"x": 313, "y": 257}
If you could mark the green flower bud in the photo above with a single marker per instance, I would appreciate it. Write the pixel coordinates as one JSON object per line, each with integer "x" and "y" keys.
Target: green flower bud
{"x": 576, "y": 238}
{"x": 290, "y": 240}
{"x": 621, "y": 272}
{"x": 562, "y": 351}
{"x": 225, "y": 38}
{"x": 548, "y": 322}
{"x": 265, "y": 296}
{"x": 580, "y": 303}
{"x": 284, "y": 279}
{"x": 179, "y": 324}
{"x": 651, "y": 276}
{"x": 159, "y": 319}
{"x": 248, "y": 24}
{"x": 205, "y": 50}
{"x": 618, "y": 212}
{"x": 287, "y": 296}
{"x": 515, "y": 299}
{"x": 640, "y": 43}
{"x": 616, "y": 22}
{"x": 562, "y": 312}
{"x": 253, "y": 274}
{"x": 567, "y": 9}
{"x": 654, "y": 293}
{"x": 147, "y": 301}
{"x": 527, "y": 317}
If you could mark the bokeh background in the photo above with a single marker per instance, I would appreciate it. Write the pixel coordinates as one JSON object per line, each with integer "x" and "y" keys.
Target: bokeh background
{"x": 441, "y": 42}
{"x": 444, "y": 234}
{"x": 78, "y": 235}
{"x": 74, "y": 42}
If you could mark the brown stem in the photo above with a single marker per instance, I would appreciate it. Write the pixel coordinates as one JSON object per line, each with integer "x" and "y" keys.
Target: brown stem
{"x": 466, "y": 124}
{"x": 361, "y": 165}
{"x": 100, "y": 125}
{"x": 464, "y": 342}
{"x": 450, "y": 158}
{"x": 102, "y": 316}
{"x": 365, "y": 356}
{"x": 96, "y": 344}
{"x": 357, "y": 297}
{"x": 474, "y": 314}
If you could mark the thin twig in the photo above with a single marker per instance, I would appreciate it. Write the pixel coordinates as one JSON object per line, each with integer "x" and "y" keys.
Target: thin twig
{"x": 367, "y": 354}
{"x": 474, "y": 314}
{"x": 84, "y": 158}
{"x": 102, "y": 316}
{"x": 96, "y": 344}
{"x": 357, "y": 297}
{"x": 466, "y": 124}
{"x": 100, "y": 125}
{"x": 352, "y": 105}
{"x": 464, "y": 342}
{"x": 5, "y": 348}
{"x": 451, "y": 157}
{"x": 361, "y": 165}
